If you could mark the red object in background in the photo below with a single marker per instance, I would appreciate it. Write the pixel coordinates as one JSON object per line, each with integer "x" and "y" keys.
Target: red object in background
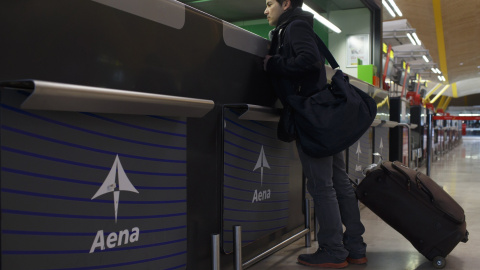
{"x": 376, "y": 81}
{"x": 454, "y": 117}
{"x": 439, "y": 110}
{"x": 414, "y": 98}
{"x": 430, "y": 106}
{"x": 464, "y": 129}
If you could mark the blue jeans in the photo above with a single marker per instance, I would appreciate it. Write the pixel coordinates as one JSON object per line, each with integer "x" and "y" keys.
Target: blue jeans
{"x": 335, "y": 203}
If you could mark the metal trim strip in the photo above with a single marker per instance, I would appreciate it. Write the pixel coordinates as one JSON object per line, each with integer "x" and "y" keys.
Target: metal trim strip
{"x": 79, "y": 98}
{"x": 170, "y": 13}
{"x": 260, "y": 113}
{"x": 237, "y": 38}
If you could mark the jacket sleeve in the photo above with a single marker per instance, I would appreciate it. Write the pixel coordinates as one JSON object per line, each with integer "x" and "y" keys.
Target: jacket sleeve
{"x": 306, "y": 56}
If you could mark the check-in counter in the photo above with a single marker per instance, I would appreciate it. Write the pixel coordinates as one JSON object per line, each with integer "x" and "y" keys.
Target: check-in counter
{"x": 262, "y": 186}
{"x": 93, "y": 176}
{"x": 376, "y": 138}
{"x": 399, "y": 135}
{"x": 109, "y": 157}
{"x": 134, "y": 141}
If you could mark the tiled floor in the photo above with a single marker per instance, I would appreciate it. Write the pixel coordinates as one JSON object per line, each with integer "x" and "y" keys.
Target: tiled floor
{"x": 458, "y": 171}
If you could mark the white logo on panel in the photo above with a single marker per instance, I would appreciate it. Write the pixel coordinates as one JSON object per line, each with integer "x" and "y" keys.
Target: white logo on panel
{"x": 358, "y": 152}
{"x": 261, "y": 163}
{"x": 115, "y": 182}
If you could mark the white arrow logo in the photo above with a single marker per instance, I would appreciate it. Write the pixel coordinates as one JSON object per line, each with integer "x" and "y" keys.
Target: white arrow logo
{"x": 359, "y": 151}
{"x": 261, "y": 163}
{"x": 115, "y": 182}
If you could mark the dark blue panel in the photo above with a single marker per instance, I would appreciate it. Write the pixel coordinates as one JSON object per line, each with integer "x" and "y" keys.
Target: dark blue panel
{"x": 56, "y": 211}
{"x": 360, "y": 155}
{"x": 257, "y": 178}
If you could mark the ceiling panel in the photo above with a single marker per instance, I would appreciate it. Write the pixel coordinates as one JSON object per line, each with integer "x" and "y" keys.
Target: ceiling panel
{"x": 461, "y": 30}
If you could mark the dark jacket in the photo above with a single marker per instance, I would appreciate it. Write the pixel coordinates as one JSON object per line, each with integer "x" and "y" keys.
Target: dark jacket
{"x": 296, "y": 63}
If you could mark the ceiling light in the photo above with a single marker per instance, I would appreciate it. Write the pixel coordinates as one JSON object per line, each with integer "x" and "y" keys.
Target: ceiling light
{"x": 321, "y": 19}
{"x": 395, "y": 8}
{"x": 434, "y": 70}
{"x": 389, "y": 9}
{"x": 439, "y": 78}
{"x": 416, "y": 39}
{"x": 438, "y": 71}
{"x": 411, "y": 39}
{"x": 425, "y": 58}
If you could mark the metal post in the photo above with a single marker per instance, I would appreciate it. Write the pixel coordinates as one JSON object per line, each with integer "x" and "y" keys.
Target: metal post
{"x": 276, "y": 248}
{"x": 429, "y": 140}
{"x": 315, "y": 225}
{"x": 216, "y": 251}
{"x": 237, "y": 230}
{"x": 308, "y": 236}
{"x": 409, "y": 146}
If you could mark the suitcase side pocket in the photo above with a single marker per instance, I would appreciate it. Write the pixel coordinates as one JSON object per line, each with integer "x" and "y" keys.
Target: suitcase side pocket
{"x": 439, "y": 198}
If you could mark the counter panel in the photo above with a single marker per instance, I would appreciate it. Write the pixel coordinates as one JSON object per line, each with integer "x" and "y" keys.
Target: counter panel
{"x": 260, "y": 180}
{"x": 360, "y": 155}
{"x": 89, "y": 191}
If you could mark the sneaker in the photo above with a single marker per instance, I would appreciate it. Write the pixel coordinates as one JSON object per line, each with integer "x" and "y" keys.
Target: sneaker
{"x": 357, "y": 258}
{"x": 321, "y": 259}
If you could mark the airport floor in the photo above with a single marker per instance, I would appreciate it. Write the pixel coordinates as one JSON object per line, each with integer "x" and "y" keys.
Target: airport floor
{"x": 458, "y": 171}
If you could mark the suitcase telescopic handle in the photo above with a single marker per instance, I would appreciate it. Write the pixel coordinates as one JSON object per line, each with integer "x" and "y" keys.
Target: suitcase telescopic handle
{"x": 397, "y": 167}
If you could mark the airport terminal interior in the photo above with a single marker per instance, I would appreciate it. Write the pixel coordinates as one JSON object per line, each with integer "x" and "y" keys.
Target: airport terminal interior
{"x": 143, "y": 134}
{"x": 456, "y": 172}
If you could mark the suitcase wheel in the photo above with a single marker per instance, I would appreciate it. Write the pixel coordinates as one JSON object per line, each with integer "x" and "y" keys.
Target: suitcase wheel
{"x": 439, "y": 262}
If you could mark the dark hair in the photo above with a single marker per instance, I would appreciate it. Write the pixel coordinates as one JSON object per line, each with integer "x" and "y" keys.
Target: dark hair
{"x": 294, "y": 3}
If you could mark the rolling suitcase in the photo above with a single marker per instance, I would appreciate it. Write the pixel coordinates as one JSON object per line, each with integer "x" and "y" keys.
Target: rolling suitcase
{"x": 414, "y": 205}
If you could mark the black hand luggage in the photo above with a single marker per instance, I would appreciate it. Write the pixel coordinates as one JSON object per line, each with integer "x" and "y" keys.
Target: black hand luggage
{"x": 418, "y": 208}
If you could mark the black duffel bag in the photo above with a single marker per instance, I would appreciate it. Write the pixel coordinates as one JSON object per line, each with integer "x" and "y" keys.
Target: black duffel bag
{"x": 332, "y": 119}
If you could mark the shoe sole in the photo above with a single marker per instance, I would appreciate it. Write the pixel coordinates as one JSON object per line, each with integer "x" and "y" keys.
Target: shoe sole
{"x": 363, "y": 260}
{"x": 326, "y": 265}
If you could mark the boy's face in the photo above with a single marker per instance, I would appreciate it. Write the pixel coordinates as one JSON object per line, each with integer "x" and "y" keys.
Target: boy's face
{"x": 274, "y": 10}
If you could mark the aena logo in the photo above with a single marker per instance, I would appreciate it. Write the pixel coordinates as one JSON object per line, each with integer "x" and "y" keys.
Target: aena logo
{"x": 358, "y": 168}
{"x": 115, "y": 182}
{"x": 261, "y": 163}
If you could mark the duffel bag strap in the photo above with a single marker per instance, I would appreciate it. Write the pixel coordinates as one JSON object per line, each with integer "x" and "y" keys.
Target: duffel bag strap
{"x": 326, "y": 52}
